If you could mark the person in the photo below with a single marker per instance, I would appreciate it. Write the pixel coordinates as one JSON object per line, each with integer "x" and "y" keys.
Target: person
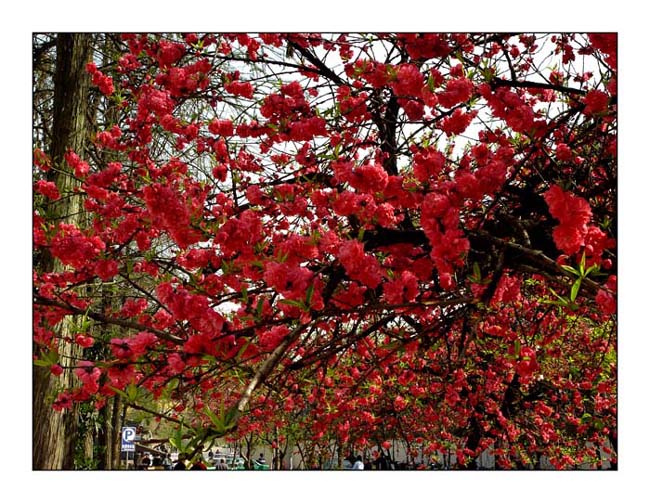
{"x": 198, "y": 465}
{"x": 358, "y": 464}
{"x": 382, "y": 462}
{"x": 180, "y": 464}
{"x": 145, "y": 462}
{"x": 157, "y": 463}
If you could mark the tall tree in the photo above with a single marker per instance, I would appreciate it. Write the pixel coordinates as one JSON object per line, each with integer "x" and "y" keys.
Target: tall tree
{"x": 54, "y": 433}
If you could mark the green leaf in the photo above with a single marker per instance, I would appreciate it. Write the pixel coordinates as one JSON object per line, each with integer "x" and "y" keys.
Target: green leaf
{"x": 570, "y": 269}
{"x": 575, "y": 289}
{"x": 244, "y": 294}
{"x": 582, "y": 264}
{"x": 291, "y": 302}
{"x": 561, "y": 300}
{"x": 216, "y": 421}
{"x": 477, "y": 271}
{"x": 230, "y": 418}
{"x": 310, "y": 293}
{"x": 243, "y": 348}
{"x": 132, "y": 392}
{"x": 52, "y": 357}
{"x": 259, "y": 307}
{"x": 119, "y": 392}
{"x": 42, "y": 363}
{"x": 177, "y": 438}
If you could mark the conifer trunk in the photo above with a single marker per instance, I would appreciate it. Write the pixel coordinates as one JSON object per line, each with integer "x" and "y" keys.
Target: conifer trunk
{"x": 54, "y": 432}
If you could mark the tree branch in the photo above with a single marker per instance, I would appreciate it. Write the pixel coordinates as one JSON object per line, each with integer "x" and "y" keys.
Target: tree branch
{"x": 497, "y": 82}
{"x": 105, "y": 319}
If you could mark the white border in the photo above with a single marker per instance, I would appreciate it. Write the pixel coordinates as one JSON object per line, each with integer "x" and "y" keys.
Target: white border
{"x": 332, "y": 15}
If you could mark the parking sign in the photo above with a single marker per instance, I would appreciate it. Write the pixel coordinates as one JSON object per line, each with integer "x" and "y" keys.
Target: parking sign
{"x": 128, "y": 438}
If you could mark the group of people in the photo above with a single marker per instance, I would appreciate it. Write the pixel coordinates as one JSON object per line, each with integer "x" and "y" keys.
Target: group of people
{"x": 357, "y": 463}
{"x": 219, "y": 463}
{"x": 157, "y": 462}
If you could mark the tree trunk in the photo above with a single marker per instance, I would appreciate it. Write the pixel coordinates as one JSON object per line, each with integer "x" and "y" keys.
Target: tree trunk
{"x": 54, "y": 432}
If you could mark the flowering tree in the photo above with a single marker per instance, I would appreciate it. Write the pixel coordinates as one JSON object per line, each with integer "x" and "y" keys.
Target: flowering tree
{"x": 372, "y": 236}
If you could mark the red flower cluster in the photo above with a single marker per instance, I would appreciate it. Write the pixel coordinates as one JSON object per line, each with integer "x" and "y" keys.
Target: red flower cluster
{"x": 73, "y": 248}
{"x": 408, "y": 81}
{"x": 596, "y": 102}
{"x": 403, "y": 288}
{"x": 80, "y": 167}
{"x": 527, "y": 363}
{"x": 109, "y": 139}
{"x": 574, "y": 214}
{"x": 85, "y": 341}
{"x": 606, "y": 43}
{"x": 243, "y": 89}
{"x": 458, "y": 122}
{"x": 104, "y": 82}
{"x": 182, "y": 81}
{"x": 48, "y": 189}
{"x": 89, "y": 375}
{"x": 353, "y": 108}
{"x": 222, "y": 127}
{"x": 428, "y": 164}
{"x": 510, "y": 107}
{"x": 425, "y": 45}
{"x": 440, "y": 220}
{"x": 456, "y": 91}
{"x": 270, "y": 339}
{"x": 133, "y": 307}
{"x": 169, "y": 53}
{"x": 154, "y": 102}
{"x": 359, "y": 265}
{"x": 169, "y": 212}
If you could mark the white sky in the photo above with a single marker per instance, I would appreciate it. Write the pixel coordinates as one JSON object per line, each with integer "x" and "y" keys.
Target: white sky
{"x": 333, "y": 15}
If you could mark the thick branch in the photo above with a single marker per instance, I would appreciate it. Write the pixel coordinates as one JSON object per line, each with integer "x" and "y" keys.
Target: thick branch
{"x": 265, "y": 370}
{"x": 322, "y": 67}
{"x": 105, "y": 319}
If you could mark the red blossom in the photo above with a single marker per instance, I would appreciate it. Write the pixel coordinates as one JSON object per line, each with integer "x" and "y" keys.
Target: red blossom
{"x": 574, "y": 214}
{"x": 456, "y": 91}
{"x": 48, "y": 189}
{"x": 408, "y": 81}
{"x": 606, "y": 43}
{"x": 73, "y": 248}
{"x": 358, "y": 265}
{"x": 221, "y": 127}
{"x": 243, "y": 89}
{"x": 606, "y": 301}
{"x": 56, "y": 370}
{"x": 341, "y": 206}
{"x": 85, "y": 341}
{"x": 63, "y": 401}
{"x": 458, "y": 122}
{"x": 527, "y": 363}
{"x": 428, "y": 163}
{"x": 596, "y": 102}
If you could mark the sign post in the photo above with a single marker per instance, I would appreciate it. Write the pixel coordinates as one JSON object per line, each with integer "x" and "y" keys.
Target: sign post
{"x": 128, "y": 441}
